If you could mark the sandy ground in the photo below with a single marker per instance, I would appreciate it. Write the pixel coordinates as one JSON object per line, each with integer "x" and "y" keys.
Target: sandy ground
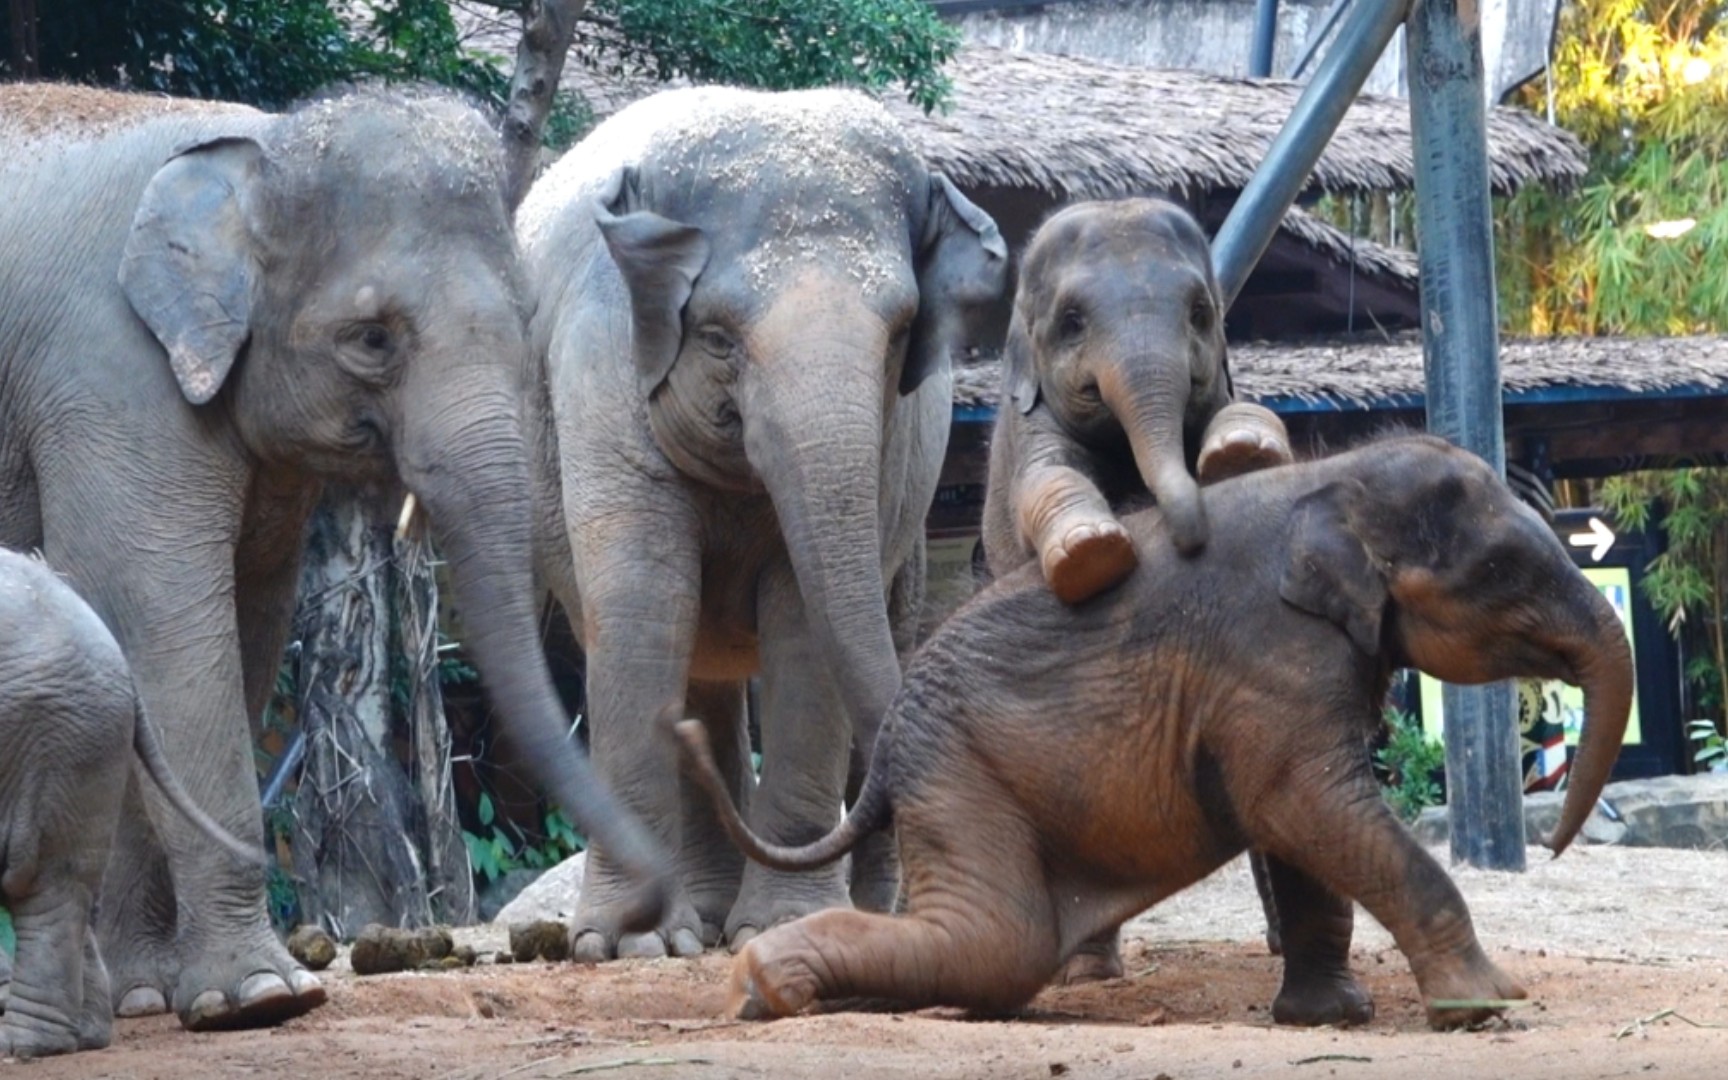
{"x": 1623, "y": 951}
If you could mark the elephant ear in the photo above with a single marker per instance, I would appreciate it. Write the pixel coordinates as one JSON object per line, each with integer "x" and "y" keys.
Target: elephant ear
{"x": 1019, "y": 372}
{"x": 660, "y": 260}
{"x": 189, "y": 268}
{"x": 962, "y": 265}
{"x": 1329, "y": 572}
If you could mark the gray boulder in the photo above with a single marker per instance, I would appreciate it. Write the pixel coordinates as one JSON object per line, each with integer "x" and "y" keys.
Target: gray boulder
{"x": 553, "y": 894}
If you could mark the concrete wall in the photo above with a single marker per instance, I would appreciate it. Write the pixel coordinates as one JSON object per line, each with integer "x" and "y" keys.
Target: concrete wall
{"x": 1215, "y": 35}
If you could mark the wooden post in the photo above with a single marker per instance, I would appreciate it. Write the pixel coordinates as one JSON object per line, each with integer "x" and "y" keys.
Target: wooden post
{"x": 1461, "y": 358}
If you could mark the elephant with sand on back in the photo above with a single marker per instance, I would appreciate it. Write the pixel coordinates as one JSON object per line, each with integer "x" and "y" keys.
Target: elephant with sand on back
{"x": 205, "y": 312}
{"x": 747, "y": 302}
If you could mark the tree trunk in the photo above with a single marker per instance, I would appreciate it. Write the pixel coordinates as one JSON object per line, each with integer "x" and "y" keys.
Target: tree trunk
{"x": 368, "y": 847}
{"x": 547, "y": 29}
{"x": 449, "y": 879}
{"x": 25, "y": 59}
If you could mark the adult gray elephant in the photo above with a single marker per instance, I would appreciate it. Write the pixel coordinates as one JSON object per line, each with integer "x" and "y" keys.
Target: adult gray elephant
{"x": 205, "y": 311}
{"x": 747, "y": 306}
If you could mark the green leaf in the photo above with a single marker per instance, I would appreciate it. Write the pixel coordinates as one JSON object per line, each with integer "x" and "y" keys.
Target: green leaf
{"x": 484, "y": 809}
{"x": 8, "y": 938}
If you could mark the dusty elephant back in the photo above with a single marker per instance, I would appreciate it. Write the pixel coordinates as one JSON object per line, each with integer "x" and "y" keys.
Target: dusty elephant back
{"x": 62, "y": 114}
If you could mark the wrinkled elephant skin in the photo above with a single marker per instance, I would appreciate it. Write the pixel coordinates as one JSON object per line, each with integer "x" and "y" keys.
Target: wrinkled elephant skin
{"x": 205, "y": 312}
{"x": 1214, "y": 703}
{"x": 748, "y": 302}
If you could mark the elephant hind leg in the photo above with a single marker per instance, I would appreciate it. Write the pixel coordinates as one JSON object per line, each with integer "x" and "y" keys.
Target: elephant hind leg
{"x": 45, "y": 1004}
{"x": 1098, "y": 958}
{"x": 980, "y": 930}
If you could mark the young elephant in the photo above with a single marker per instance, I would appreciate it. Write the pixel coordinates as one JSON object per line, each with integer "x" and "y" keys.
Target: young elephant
{"x": 69, "y": 720}
{"x": 1214, "y": 703}
{"x": 1115, "y": 366}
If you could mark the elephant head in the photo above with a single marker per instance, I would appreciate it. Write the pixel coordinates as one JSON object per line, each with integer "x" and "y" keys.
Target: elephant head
{"x": 1428, "y": 560}
{"x": 1118, "y": 329}
{"x": 784, "y": 298}
{"x": 345, "y": 289}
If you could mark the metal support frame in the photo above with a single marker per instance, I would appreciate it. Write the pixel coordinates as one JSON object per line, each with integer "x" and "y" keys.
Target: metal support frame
{"x": 1265, "y": 37}
{"x": 1460, "y": 341}
{"x": 1461, "y": 358}
{"x": 1281, "y": 176}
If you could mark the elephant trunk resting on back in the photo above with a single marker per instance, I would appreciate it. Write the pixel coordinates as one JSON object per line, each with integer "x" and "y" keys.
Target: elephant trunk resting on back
{"x": 70, "y": 723}
{"x": 1214, "y": 703}
{"x": 748, "y": 301}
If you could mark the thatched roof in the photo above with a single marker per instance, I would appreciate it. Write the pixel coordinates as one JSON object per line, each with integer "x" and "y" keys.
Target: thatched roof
{"x": 1360, "y": 373}
{"x": 1078, "y": 128}
{"x": 1394, "y": 265}
{"x": 1088, "y": 129}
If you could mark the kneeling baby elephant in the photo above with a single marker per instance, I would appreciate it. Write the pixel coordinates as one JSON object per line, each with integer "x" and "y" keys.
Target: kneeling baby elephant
{"x": 69, "y": 723}
{"x": 1215, "y": 703}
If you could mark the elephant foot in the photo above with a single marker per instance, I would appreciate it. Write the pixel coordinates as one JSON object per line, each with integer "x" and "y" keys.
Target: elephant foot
{"x": 24, "y": 1043}
{"x": 1466, "y": 990}
{"x": 769, "y": 980}
{"x": 1312, "y": 1000}
{"x": 1094, "y": 961}
{"x": 1090, "y": 558}
{"x": 1242, "y": 438}
{"x": 598, "y": 934}
{"x": 770, "y": 899}
{"x": 141, "y": 1001}
{"x": 229, "y": 985}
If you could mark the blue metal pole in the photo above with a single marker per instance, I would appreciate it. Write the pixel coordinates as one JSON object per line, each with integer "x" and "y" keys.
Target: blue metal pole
{"x": 1265, "y": 37}
{"x": 1461, "y": 357}
{"x": 1254, "y": 219}
{"x": 1318, "y": 37}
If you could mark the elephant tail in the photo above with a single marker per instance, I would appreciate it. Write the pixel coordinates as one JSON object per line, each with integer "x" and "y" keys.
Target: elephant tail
{"x": 871, "y": 812}
{"x": 155, "y": 763}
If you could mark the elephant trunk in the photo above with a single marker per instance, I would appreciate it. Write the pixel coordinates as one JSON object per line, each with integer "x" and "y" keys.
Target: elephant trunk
{"x": 1601, "y": 659}
{"x": 1149, "y": 396}
{"x": 468, "y": 466}
{"x": 815, "y": 438}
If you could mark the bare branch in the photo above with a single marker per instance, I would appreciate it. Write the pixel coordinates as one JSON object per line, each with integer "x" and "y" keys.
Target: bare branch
{"x": 547, "y": 28}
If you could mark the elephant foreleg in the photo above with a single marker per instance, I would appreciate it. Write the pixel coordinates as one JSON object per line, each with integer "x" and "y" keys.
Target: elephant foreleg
{"x": 1082, "y": 548}
{"x": 806, "y": 734}
{"x": 1242, "y": 437}
{"x": 640, "y": 582}
{"x": 1098, "y": 958}
{"x": 1337, "y": 830}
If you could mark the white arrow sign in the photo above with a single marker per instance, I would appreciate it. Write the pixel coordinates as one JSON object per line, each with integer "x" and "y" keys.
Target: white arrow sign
{"x": 1599, "y": 539}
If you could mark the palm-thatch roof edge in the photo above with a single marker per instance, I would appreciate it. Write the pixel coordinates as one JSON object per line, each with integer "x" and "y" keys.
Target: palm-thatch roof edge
{"x": 1361, "y": 374}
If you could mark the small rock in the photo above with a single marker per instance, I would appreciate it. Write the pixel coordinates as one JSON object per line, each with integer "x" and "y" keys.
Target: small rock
{"x": 502, "y": 957}
{"x": 383, "y": 949}
{"x": 310, "y": 945}
{"x": 452, "y": 962}
{"x": 1057, "y": 1068}
{"x": 542, "y": 939}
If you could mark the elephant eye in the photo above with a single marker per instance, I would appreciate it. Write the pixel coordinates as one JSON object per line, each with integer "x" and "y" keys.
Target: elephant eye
{"x": 1200, "y": 314}
{"x": 1073, "y": 325}
{"x": 375, "y": 337}
{"x": 716, "y": 340}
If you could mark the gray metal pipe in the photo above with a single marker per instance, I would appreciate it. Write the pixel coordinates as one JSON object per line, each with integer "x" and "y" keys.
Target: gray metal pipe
{"x": 1461, "y": 359}
{"x": 1265, "y": 37}
{"x": 1255, "y": 217}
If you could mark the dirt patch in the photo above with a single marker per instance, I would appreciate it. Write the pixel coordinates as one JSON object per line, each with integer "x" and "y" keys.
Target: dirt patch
{"x": 1601, "y": 938}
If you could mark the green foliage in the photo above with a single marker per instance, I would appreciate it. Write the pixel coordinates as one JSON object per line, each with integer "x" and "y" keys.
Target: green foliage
{"x": 780, "y": 44}
{"x": 1712, "y": 748}
{"x": 494, "y": 852}
{"x": 1407, "y": 764}
{"x": 1645, "y": 84}
{"x": 8, "y": 939}
{"x": 1687, "y": 584}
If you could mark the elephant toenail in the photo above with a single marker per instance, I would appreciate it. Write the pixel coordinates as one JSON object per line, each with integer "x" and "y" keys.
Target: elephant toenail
{"x": 686, "y": 943}
{"x": 641, "y": 947}
{"x": 305, "y": 983}
{"x": 210, "y": 1005}
{"x": 141, "y": 1001}
{"x": 589, "y": 947}
{"x": 741, "y": 937}
{"x": 263, "y": 988}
